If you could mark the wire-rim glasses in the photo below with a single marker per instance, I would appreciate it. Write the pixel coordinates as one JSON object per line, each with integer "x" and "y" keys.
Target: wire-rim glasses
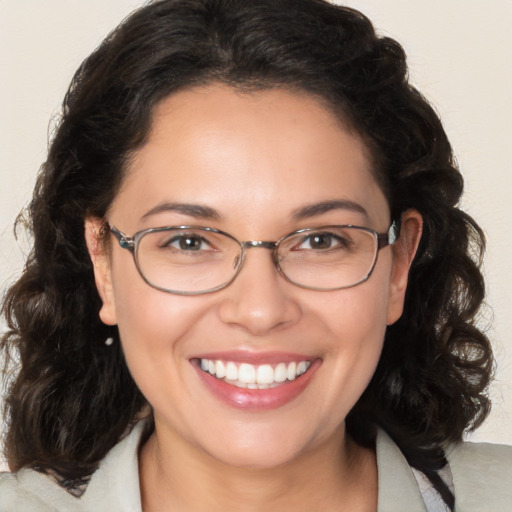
{"x": 194, "y": 260}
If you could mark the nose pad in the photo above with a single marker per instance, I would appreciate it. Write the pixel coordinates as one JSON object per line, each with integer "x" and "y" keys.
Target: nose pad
{"x": 259, "y": 299}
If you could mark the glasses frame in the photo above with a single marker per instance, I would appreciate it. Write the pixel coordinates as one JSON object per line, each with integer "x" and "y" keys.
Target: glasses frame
{"x": 131, "y": 243}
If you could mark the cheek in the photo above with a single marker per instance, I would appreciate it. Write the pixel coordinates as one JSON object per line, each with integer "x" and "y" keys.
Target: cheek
{"x": 356, "y": 322}
{"x": 144, "y": 313}
{"x": 159, "y": 332}
{"x": 153, "y": 324}
{"x": 151, "y": 321}
{"x": 365, "y": 316}
{"x": 356, "y": 314}
{"x": 360, "y": 334}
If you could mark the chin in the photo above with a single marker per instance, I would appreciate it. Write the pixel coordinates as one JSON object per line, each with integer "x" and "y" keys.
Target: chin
{"x": 256, "y": 457}
{"x": 263, "y": 448}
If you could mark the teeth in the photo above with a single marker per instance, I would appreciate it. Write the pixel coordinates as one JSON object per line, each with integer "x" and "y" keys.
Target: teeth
{"x": 280, "y": 372}
{"x": 254, "y": 376}
{"x": 301, "y": 368}
{"x": 247, "y": 374}
{"x": 220, "y": 369}
{"x": 231, "y": 371}
{"x": 265, "y": 374}
{"x": 291, "y": 371}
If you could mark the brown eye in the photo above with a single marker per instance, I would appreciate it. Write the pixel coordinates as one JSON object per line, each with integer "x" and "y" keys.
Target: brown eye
{"x": 187, "y": 242}
{"x": 322, "y": 241}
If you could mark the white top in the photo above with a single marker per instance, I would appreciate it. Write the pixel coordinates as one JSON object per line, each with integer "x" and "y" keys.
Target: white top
{"x": 482, "y": 475}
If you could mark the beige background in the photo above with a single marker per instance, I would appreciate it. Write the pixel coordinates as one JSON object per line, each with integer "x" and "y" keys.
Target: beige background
{"x": 459, "y": 53}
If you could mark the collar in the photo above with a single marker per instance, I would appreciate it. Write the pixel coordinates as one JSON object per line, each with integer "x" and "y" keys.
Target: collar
{"x": 118, "y": 477}
{"x": 398, "y": 488}
{"x": 115, "y": 487}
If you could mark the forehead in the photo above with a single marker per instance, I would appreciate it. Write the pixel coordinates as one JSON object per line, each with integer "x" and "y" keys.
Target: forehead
{"x": 244, "y": 152}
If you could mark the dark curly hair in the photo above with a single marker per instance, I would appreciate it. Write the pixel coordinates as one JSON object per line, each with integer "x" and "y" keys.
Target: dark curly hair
{"x": 72, "y": 398}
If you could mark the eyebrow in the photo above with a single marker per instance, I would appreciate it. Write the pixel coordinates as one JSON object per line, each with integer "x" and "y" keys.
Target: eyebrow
{"x": 197, "y": 211}
{"x": 327, "y": 206}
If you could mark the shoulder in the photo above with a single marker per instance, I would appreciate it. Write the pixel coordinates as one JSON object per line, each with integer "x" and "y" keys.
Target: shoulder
{"x": 114, "y": 487}
{"x": 482, "y": 476}
{"x": 397, "y": 486}
{"x": 28, "y": 491}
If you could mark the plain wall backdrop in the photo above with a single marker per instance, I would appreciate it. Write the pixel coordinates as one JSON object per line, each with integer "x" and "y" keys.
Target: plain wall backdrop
{"x": 459, "y": 57}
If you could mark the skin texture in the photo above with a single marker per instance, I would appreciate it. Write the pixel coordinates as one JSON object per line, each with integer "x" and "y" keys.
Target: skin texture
{"x": 255, "y": 159}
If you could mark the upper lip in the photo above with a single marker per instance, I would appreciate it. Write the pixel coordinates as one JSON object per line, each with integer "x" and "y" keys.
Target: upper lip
{"x": 255, "y": 358}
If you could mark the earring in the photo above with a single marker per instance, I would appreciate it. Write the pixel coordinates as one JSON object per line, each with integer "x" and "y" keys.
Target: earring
{"x": 109, "y": 341}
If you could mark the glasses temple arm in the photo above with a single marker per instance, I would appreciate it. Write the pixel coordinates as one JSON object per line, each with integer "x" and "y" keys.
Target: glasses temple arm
{"x": 389, "y": 238}
{"x": 125, "y": 241}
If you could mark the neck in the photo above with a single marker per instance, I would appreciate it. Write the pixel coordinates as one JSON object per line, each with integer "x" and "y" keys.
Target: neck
{"x": 335, "y": 476}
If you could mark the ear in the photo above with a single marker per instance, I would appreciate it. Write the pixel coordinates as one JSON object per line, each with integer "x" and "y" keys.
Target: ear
{"x": 404, "y": 250}
{"x": 94, "y": 229}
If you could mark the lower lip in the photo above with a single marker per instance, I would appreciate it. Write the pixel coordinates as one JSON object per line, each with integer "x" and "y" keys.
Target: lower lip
{"x": 258, "y": 399}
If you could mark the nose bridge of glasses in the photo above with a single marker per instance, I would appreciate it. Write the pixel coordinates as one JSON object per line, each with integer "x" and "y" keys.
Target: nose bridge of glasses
{"x": 251, "y": 244}
{"x": 264, "y": 244}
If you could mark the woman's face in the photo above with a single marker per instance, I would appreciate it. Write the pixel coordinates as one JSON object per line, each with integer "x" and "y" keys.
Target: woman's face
{"x": 253, "y": 165}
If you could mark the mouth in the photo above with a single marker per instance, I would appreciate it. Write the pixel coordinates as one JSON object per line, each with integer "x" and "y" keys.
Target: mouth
{"x": 256, "y": 382}
{"x": 251, "y": 376}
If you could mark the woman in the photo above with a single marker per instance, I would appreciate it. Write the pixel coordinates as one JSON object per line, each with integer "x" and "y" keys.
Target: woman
{"x": 251, "y": 287}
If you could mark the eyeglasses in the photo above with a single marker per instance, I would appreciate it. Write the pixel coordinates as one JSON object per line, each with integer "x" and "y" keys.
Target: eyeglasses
{"x": 192, "y": 260}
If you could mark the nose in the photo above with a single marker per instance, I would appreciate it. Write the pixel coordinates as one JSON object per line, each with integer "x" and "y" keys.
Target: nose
{"x": 259, "y": 300}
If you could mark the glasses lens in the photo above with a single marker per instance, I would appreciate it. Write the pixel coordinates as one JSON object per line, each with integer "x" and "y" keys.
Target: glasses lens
{"x": 328, "y": 259}
{"x": 189, "y": 260}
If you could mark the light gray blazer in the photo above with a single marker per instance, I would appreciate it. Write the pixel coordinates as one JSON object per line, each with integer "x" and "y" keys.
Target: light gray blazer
{"x": 482, "y": 476}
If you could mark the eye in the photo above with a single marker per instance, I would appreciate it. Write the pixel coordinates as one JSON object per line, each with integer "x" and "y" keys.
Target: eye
{"x": 187, "y": 242}
{"x": 322, "y": 241}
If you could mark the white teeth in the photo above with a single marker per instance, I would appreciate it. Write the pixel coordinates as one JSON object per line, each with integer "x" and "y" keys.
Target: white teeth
{"x": 247, "y": 373}
{"x": 280, "y": 372}
{"x": 254, "y": 376}
{"x": 301, "y": 368}
{"x": 220, "y": 370}
{"x": 231, "y": 371}
{"x": 265, "y": 374}
{"x": 291, "y": 371}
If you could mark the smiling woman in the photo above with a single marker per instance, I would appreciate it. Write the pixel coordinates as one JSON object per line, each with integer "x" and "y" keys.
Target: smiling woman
{"x": 251, "y": 286}
{"x": 260, "y": 143}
